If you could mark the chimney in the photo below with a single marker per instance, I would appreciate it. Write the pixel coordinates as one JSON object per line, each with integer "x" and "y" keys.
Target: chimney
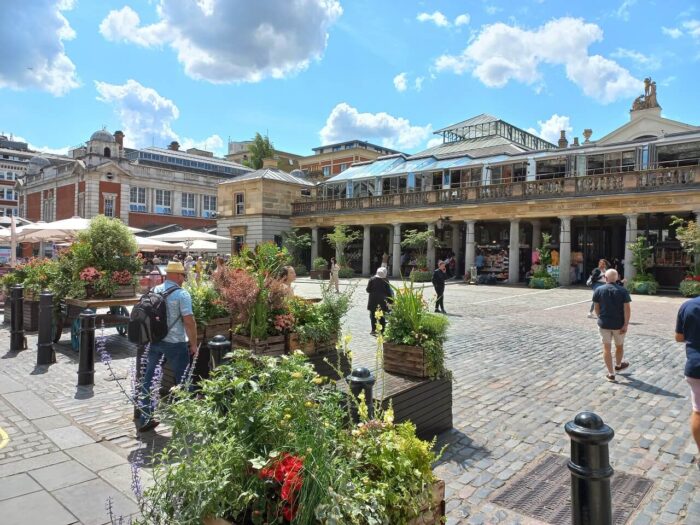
{"x": 269, "y": 163}
{"x": 587, "y": 135}
{"x": 575, "y": 142}
{"x": 562, "y": 139}
{"x": 119, "y": 137}
{"x": 174, "y": 145}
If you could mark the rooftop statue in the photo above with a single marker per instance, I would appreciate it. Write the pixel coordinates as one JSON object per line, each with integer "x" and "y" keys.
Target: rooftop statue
{"x": 648, "y": 99}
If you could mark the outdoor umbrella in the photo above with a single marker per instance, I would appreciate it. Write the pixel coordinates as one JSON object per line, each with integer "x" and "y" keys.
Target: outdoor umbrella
{"x": 148, "y": 244}
{"x": 188, "y": 236}
{"x": 66, "y": 227}
{"x": 202, "y": 246}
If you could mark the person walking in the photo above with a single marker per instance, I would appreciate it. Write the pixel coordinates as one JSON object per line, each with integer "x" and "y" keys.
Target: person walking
{"x": 439, "y": 277}
{"x": 181, "y": 337}
{"x": 688, "y": 332}
{"x": 612, "y": 306}
{"x": 380, "y": 294}
{"x": 596, "y": 280}
{"x": 335, "y": 275}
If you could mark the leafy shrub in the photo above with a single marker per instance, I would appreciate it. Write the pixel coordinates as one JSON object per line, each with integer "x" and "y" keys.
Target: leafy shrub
{"x": 319, "y": 263}
{"x": 301, "y": 271}
{"x": 39, "y": 274}
{"x": 543, "y": 282}
{"x": 419, "y": 276}
{"x": 690, "y": 287}
{"x": 644, "y": 284}
{"x": 206, "y": 301}
{"x": 346, "y": 273}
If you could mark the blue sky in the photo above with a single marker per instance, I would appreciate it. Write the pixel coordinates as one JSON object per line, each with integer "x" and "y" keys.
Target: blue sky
{"x": 314, "y": 71}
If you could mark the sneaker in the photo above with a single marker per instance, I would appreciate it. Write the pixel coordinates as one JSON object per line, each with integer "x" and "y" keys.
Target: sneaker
{"x": 622, "y": 366}
{"x": 591, "y": 315}
{"x": 611, "y": 378}
{"x": 149, "y": 426}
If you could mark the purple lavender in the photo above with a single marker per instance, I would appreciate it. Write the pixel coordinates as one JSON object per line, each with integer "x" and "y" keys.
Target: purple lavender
{"x": 156, "y": 383}
{"x": 102, "y": 351}
{"x": 136, "y": 485}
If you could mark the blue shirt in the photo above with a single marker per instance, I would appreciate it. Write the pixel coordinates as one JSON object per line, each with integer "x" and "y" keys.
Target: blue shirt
{"x": 612, "y": 299}
{"x": 179, "y": 305}
{"x": 688, "y": 324}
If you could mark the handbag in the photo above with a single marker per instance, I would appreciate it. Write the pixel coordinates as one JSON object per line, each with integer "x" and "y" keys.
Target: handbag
{"x": 589, "y": 282}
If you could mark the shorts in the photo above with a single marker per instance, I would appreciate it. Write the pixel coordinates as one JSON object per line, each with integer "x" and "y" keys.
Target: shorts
{"x": 694, "y": 383}
{"x": 607, "y": 336}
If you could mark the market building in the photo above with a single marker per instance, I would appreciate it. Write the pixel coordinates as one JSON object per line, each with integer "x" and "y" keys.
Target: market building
{"x": 146, "y": 188}
{"x": 490, "y": 190}
{"x": 332, "y": 159}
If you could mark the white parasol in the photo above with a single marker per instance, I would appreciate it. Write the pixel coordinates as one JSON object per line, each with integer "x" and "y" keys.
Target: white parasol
{"x": 188, "y": 236}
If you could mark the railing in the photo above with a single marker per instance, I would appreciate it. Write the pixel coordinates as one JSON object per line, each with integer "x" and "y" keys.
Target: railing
{"x": 613, "y": 183}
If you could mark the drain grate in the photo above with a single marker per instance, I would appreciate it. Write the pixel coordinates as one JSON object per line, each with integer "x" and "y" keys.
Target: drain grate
{"x": 543, "y": 492}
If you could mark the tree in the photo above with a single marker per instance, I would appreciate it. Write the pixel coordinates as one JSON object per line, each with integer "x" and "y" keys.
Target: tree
{"x": 689, "y": 235}
{"x": 260, "y": 149}
{"x": 641, "y": 257}
{"x": 418, "y": 241}
{"x": 296, "y": 243}
{"x": 339, "y": 239}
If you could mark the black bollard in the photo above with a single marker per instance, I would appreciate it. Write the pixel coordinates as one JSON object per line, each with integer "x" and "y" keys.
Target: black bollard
{"x": 362, "y": 380}
{"x": 591, "y": 500}
{"x": 219, "y": 346}
{"x": 44, "y": 347}
{"x": 86, "y": 358}
{"x": 17, "y": 340}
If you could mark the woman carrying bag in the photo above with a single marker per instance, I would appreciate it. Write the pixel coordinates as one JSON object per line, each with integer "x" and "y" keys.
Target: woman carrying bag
{"x": 595, "y": 280}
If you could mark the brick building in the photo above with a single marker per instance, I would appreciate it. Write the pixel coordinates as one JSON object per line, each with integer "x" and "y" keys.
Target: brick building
{"x": 332, "y": 159}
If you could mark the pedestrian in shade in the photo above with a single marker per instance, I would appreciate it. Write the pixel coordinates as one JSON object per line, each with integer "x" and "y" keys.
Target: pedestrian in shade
{"x": 612, "y": 306}
{"x": 688, "y": 331}
{"x": 439, "y": 277}
{"x": 380, "y": 294}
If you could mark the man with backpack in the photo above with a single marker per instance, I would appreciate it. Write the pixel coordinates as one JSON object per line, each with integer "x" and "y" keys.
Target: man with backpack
{"x": 179, "y": 341}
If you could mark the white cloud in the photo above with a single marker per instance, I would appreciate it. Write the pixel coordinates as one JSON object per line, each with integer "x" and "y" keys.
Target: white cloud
{"x": 213, "y": 143}
{"x": 436, "y": 141}
{"x": 233, "y": 40}
{"x": 692, "y": 27}
{"x": 31, "y": 39}
{"x": 623, "y": 12}
{"x": 346, "y": 123}
{"x": 668, "y": 81}
{"x": 418, "y": 83}
{"x": 642, "y": 60}
{"x": 462, "y": 20}
{"x": 400, "y": 82}
{"x": 436, "y": 18}
{"x": 673, "y": 32}
{"x": 500, "y": 53}
{"x": 492, "y": 9}
{"x": 550, "y": 129}
{"x": 43, "y": 149}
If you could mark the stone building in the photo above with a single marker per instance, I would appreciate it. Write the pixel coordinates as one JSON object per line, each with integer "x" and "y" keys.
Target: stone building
{"x": 491, "y": 189}
{"x": 14, "y": 158}
{"x": 256, "y": 207}
{"x": 145, "y": 188}
{"x": 332, "y": 159}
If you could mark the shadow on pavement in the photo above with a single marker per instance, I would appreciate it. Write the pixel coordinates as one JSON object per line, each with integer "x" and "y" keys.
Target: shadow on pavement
{"x": 83, "y": 392}
{"x": 39, "y": 370}
{"x": 459, "y": 448}
{"x": 646, "y": 387}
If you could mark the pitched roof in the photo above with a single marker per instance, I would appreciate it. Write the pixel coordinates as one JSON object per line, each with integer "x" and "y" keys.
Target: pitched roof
{"x": 482, "y": 147}
{"x": 272, "y": 174}
{"x": 479, "y": 119}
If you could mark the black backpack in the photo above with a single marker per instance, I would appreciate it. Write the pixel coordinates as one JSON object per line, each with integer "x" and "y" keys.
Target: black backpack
{"x": 148, "y": 322}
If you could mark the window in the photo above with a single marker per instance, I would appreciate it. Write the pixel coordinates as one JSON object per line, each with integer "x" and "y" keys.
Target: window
{"x": 343, "y": 167}
{"x": 326, "y": 171}
{"x": 188, "y": 209}
{"x": 108, "y": 205}
{"x": 306, "y": 193}
{"x": 239, "y": 203}
{"x": 47, "y": 209}
{"x": 163, "y": 205}
{"x": 137, "y": 199}
{"x": 209, "y": 206}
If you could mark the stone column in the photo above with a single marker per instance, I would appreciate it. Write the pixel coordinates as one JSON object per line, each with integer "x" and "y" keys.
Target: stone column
{"x": 630, "y": 236}
{"x": 366, "y": 251}
{"x": 431, "y": 247}
{"x": 514, "y": 252}
{"x": 536, "y": 234}
{"x": 469, "y": 247}
{"x": 565, "y": 251}
{"x": 390, "y": 251}
{"x": 314, "y": 244}
{"x": 455, "y": 239}
{"x": 396, "y": 260}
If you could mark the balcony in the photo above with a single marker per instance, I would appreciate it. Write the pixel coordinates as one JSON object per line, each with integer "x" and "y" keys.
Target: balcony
{"x": 630, "y": 182}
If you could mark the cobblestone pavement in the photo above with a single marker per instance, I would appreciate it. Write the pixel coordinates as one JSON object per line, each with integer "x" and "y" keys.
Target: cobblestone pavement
{"x": 524, "y": 362}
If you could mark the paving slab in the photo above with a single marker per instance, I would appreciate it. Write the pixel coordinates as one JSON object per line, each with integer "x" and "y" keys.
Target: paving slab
{"x": 88, "y": 501}
{"x": 38, "y": 508}
{"x": 96, "y": 456}
{"x": 8, "y": 385}
{"x": 121, "y": 477}
{"x": 68, "y": 437}
{"x": 30, "y": 404}
{"x": 17, "y": 485}
{"x": 51, "y": 422}
{"x": 62, "y": 475}
{"x": 25, "y": 465}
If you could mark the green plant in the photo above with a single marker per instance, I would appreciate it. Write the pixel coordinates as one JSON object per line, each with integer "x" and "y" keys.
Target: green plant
{"x": 319, "y": 263}
{"x": 339, "y": 239}
{"x": 690, "y": 288}
{"x": 206, "y": 301}
{"x": 261, "y": 148}
{"x": 419, "y": 276}
{"x": 346, "y": 273}
{"x": 544, "y": 282}
{"x": 296, "y": 243}
{"x": 688, "y": 233}
{"x": 418, "y": 240}
{"x": 641, "y": 255}
{"x": 301, "y": 271}
{"x": 39, "y": 274}
{"x": 646, "y": 285}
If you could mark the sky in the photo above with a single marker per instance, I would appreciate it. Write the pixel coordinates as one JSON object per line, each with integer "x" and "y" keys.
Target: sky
{"x": 312, "y": 72}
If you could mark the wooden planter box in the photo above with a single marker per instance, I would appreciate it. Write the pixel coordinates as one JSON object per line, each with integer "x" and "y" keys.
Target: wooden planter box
{"x": 320, "y": 274}
{"x": 214, "y": 327}
{"x": 31, "y": 315}
{"x": 405, "y": 360}
{"x": 318, "y": 353}
{"x": 432, "y": 513}
{"x": 272, "y": 346}
{"x": 7, "y": 318}
{"x": 125, "y": 290}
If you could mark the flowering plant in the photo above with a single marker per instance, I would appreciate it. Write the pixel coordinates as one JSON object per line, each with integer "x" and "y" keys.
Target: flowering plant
{"x": 284, "y": 322}
{"x": 123, "y": 277}
{"x": 90, "y": 274}
{"x": 286, "y": 474}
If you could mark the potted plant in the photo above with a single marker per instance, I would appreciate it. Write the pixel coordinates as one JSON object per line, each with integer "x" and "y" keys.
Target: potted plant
{"x": 643, "y": 282}
{"x": 413, "y": 343}
{"x": 541, "y": 277}
{"x": 688, "y": 233}
{"x": 320, "y": 269}
{"x": 690, "y": 286}
{"x": 418, "y": 241}
{"x": 209, "y": 310}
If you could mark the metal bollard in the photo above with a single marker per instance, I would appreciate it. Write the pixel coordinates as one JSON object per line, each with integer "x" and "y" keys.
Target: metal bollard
{"x": 17, "y": 340}
{"x": 219, "y": 346}
{"x": 86, "y": 358}
{"x": 44, "y": 347}
{"x": 591, "y": 500}
{"x": 362, "y": 380}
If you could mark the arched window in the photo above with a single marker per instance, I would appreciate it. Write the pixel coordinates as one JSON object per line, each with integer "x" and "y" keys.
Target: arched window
{"x": 108, "y": 153}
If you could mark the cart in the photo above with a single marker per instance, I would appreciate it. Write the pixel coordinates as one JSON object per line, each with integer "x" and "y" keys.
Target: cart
{"x": 118, "y": 315}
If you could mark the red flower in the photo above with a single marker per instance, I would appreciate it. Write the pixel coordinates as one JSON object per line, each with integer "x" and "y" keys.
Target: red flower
{"x": 286, "y": 470}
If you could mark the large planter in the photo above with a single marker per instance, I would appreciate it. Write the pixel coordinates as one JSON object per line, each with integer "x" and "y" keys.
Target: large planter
{"x": 324, "y": 357}
{"x": 7, "y": 318}
{"x": 644, "y": 287}
{"x": 31, "y": 315}
{"x": 405, "y": 360}
{"x": 213, "y": 327}
{"x": 320, "y": 274}
{"x": 274, "y": 345}
{"x": 421, "y": 276}
{"x": 688, "y": 288}
{"x": 543, "y": 283}
{"x": 125, "y": 290}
